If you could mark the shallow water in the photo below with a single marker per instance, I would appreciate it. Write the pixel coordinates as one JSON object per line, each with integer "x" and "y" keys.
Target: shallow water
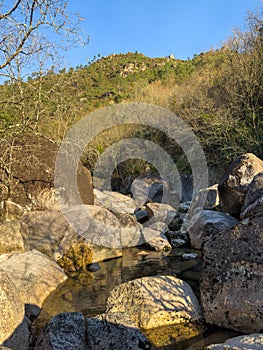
{"x": 88, "y": 292}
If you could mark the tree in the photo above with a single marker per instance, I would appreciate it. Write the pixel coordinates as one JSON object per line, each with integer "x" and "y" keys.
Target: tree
{"x": 34, "y": 33}
{"x": 30, "y": 26}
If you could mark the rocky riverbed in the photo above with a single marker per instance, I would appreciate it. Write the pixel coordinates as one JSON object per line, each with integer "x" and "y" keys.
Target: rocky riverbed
{"x": 164, "y": 287}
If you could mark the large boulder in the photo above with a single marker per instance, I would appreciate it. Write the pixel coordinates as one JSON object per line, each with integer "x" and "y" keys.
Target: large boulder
{"x": 64, "y": 331}
{"x": 51, "y": 233}
{"x": 31, "y": 159}
{"x": 253, "y": 203}
{"x": 115, "y": 331}
{"x": 209, "y": 224}
{"x": 48, "y": 232}
{"x": 155, "y": 301}
{"x": 10, "y": 237}
{"x": 234, "y": 183}
{"x": 232, "y": 284}
{"x": 115, "y": 201}
{"x": 35, "y": 276}
{"x": 12, "y": 307}
{"x": 243, "y": 342}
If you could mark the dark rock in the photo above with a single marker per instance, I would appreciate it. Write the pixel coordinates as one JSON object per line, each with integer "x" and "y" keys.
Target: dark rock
{"x": 232, "y": 284}
{"x": 64, "y": 331}
{"x": 115, "y": 331}
{"x": 233, "y": 186}
{"x": 253, "y": 204}
{"x": 209, "y": 224}
{"x": 93, "y": 267}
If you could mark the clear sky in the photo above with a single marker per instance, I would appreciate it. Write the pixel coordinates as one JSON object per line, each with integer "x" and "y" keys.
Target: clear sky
{"x": 156, "y": 28}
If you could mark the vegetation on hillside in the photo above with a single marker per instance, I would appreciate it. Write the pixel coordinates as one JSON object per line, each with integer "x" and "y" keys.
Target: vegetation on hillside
{"x": 218, "y": 93}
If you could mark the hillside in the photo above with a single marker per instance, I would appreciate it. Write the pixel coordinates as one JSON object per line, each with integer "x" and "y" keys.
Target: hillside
{"x": 218, "y": 93}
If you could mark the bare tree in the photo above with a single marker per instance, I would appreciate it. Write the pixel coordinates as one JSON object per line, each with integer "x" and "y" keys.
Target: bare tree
{"x": 34, "y": 35}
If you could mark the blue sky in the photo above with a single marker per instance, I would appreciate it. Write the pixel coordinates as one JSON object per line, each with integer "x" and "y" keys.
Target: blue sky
{"x": 156, "y": 28}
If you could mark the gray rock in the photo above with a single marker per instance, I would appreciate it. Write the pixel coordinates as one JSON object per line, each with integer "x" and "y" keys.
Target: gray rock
{"x": 130, "y": 230}
{"x": 212, "y": 197}
{"x": 160, "y": 212}
{"x": 115, "y": 202}
{"x": 243, "y": 342}
{"x": 234, "y": 184}
{"x": 253, "y": 203}
{"x": 155, "y": 301}
{"x": 156, "y": 240}
{"x": 232, "y": 284}
{"x": 96, "y": 224}
{"x": 64, "y": 331}
{"x": 147, "y": 189}
{"x": 48, "y": 232}
{"x": 209, "y": 224}
{"x": 114, "y": 331}
{"x": 10, "y": 237}
{"x": 12, "y": 307}
{"x": 35, "y": 276}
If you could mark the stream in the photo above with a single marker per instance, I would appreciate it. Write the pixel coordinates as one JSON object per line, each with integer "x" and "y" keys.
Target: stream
{"x": 88, "y": 292}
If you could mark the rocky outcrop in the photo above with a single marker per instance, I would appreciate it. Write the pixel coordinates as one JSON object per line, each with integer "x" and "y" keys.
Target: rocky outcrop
{"x": 232, "y": 284}
{"x": 155, "y": 301}
{"x": 209, "y": 224}
{"x": 10, "y": 237}
{"x": 115, "y": 331}
{"x": 64, "y": 331}
{"x": 233, "y": 186}
{"x": 35, "y": 277}
{"x": 31, "y": 176}
{"x": 244, "y": 342}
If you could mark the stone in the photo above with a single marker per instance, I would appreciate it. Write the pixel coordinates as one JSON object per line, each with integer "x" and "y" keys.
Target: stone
{"x": 148, "y": 189}
{"x": 35, "y": 276}
{"x": 234, "y": 184}
{"x": 232, "y": 284}
{"x": 10, "y": 237}
{"x": 64, "y": 331}
{"x": 155, "y": 301}
{"x": 212, "y": 197}
{"x": 160, "y": 212}
{"x": 115, "y": 202}
{"x": 243, "y": 342}
{"x": 156, "y": 240}
{"x": 115, "y": 330}
{"x": 48, "y": 232}
{"x": 12, "y": 307}
{"x": 97, "y": 225}
{"x": 209, "y": 224}
{"x": 141, "y": 215}
{"x": 253, "y": 203}
{"x": 130, "y": 230}
{"x": 178, "y": 238}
